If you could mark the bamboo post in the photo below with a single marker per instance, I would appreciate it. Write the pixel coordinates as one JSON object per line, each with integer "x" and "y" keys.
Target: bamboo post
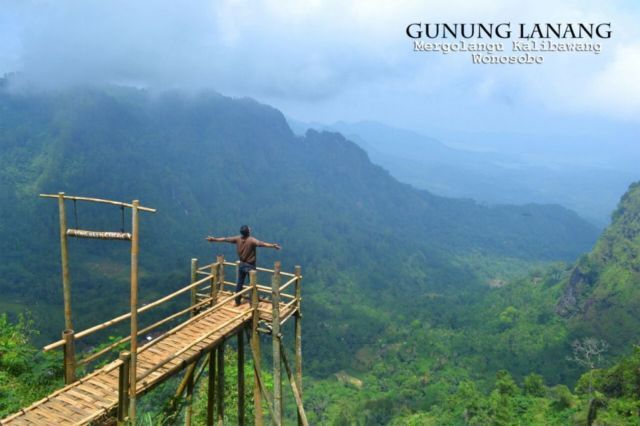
{"x": 220, "y": 274}
{"x": 237, "y": 270}
{"x": 298, "y": 334}
{"x": 220, "y": 390}
{"x": 255, "y": 348}
{"x": 217, "y": 277}
{"x": 302, "y": 416}
{"x": 265, "y": 392}
{"x": 185, "y": 380}
{"x": 240, "y": 379}
{"x": 123, "y": 387}
{"x": 189, "y": 401}
{"x": 194, "y": 278}
{"x": 134, "y": 310}
{"x": 215, "y": 269}
{"x": 211, "y": 390}
{"x": 64, "y": 253}
{"x": 277, "y": 374}
{"x": 69, "y": 357}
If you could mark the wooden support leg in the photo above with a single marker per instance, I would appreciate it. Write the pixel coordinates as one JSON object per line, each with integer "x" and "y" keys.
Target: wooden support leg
{"x": 189, "y": 413}
{"x": 185, "y": 381}
{"x": 298, "y": 358}
{"x": 69, "y": 357}
{"x": 211, "y": 391}
{"x": 294, "y": 387}
{"x": 240, "y": 379}
{"x": 220, "y": 390}
{"x": 263, "y": 390}
{"x": 298, "y": 335}
{"x": 123, "y": 388}
{"x": 255, "y": 349}
{"x": 275, "y": 322}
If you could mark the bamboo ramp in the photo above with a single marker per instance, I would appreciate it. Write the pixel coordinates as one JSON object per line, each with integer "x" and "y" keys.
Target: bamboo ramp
{"x": 94, "y": 398}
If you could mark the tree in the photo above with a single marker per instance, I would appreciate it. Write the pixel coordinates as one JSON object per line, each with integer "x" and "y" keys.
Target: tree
{"x": 588, "y": 353}
{"x": 26, "y": 374}
{"x": 508, "y": 317}
{"x": 534, "y": 385}
{"x": 505, "y": 385}
{"x": 502, "y": 403}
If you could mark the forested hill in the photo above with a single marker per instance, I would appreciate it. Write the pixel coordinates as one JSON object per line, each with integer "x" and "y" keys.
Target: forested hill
{"x": 380, "y": 258}
{"x": 602, "y": 296}
{"x": 210, "y": 163}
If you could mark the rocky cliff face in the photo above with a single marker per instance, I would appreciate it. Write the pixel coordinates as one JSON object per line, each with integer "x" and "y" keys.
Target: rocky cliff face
{"x": 571, "y": 301}
{"x": 602, "y": 295}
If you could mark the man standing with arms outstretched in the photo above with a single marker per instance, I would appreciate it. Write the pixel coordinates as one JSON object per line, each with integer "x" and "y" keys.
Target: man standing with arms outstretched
{"x": 246, "y": 247}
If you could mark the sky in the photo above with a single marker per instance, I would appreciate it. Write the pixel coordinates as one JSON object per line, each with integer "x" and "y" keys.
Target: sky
{"x": 325, "y": 61}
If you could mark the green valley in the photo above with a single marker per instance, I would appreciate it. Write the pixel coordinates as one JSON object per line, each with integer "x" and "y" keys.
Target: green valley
{"x": 419, "y": 309}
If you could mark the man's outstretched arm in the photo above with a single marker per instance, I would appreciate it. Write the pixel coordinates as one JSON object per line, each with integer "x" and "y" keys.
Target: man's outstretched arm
{"x": 269, "y": 245}
{"x": 221, "y": 239}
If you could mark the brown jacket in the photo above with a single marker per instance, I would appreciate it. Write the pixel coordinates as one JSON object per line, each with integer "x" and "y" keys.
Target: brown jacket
{"x": 246, "y": 247}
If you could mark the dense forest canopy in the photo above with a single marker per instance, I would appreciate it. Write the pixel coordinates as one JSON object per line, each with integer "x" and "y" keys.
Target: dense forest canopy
{"x": 444, "y": 310}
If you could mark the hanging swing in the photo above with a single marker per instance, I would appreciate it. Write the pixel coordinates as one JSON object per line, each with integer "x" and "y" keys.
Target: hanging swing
{"x": 100, "y": 235}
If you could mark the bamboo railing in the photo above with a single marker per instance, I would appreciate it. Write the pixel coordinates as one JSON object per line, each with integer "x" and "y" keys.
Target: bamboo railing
{"x": 207, "y": 284}
{"x": 265, "y": 293}
{"x": 123, "y": 317}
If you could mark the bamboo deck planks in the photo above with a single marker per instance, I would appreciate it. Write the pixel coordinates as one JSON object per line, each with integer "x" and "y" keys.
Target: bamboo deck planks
{"x": 97, "y": 394}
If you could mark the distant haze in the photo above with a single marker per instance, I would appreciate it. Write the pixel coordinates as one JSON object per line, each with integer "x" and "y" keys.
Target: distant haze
{"x": 578, "y": 175}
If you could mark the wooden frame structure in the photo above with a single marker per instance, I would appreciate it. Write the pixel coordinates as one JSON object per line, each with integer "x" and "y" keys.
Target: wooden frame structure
{"x": 274, "y": 318}
{"x": 68, "y": 334}
{"x": 211, "y": 301}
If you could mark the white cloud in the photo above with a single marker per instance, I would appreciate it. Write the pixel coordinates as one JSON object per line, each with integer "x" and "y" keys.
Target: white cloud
{"x": 306, "y": 52}
{"x": 617, "y": 87}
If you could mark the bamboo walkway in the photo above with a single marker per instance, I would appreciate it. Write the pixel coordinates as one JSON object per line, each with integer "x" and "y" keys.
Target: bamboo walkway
{"x": 95, "y": 396}
{"x": 110, "y": 393}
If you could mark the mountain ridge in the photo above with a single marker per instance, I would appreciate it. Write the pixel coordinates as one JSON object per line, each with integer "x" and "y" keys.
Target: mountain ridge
{"x": 210, "y": 163}
{"x": 490, "y": 177}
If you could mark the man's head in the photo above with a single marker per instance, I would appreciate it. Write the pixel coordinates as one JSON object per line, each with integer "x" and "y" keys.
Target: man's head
{"x": 245, "y": 231}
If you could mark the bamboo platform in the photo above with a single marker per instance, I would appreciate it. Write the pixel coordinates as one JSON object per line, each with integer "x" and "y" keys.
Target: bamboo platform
{"x": 109, "y": 395}
{"x": 95, "y": 397}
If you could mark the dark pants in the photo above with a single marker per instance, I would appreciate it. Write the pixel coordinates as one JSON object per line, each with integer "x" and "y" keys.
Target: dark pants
{"x": 243, "y": 271}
